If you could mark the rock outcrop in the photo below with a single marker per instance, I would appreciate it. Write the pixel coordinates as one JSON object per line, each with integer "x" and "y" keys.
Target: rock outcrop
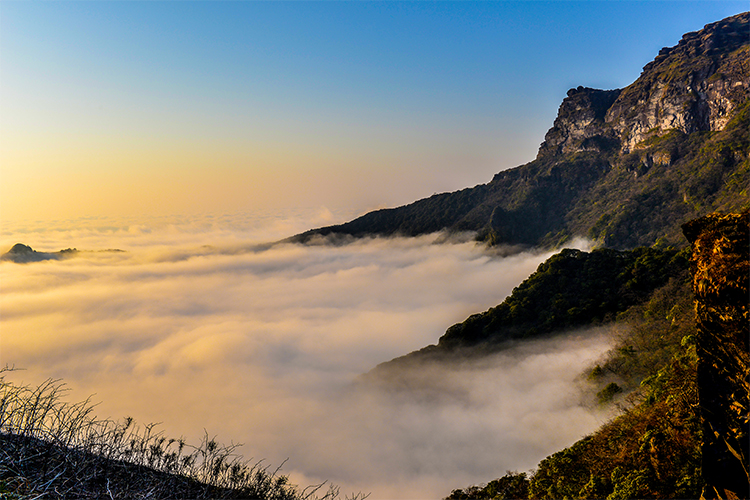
{"x": 694, "y": 86}
{"x": 580, "y": 125}
{"x": 721, "y": 271}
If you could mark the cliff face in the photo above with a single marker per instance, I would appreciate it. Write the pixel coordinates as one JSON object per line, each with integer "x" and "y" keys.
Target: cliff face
{"x": 721, "y": 271}
{"x": 692, "y": 87}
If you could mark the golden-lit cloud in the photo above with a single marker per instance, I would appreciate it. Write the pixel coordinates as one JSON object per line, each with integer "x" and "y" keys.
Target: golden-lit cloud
{"x": 199, "y": 325}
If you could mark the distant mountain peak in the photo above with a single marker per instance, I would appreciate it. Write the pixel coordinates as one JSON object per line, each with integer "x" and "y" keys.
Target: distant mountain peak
{"x": 22, "y": 254}
{"x": 21, "y": 249}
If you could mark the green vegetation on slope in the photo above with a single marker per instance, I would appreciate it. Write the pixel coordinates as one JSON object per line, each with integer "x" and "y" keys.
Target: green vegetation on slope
{"x": 684, "y": 363}
{"x": 571, "y": 289}
{"x": 652, "y": 450}
{"x": 512, "y": 485}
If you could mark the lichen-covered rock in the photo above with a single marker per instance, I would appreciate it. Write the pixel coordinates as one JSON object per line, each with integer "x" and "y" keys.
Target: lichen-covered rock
{"x": 721, "y": 271}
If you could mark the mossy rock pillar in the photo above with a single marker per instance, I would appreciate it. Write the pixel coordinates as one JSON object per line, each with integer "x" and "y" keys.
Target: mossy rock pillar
{"x": 720, "y": 253}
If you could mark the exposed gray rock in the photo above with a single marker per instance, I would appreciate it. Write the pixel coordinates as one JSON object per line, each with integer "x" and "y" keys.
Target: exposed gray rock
{"x": 579, "y": 125}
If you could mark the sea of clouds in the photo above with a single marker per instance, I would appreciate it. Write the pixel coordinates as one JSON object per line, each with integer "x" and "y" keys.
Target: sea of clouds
{"x": 200, "y": 324}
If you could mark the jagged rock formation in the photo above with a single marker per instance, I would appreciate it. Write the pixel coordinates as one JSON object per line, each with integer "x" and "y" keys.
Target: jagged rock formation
{"x": 695, "y": 86}
{"x": 580, "y": 125}
{"x": 721, "y": 271}
{"x": 624, "y": 167}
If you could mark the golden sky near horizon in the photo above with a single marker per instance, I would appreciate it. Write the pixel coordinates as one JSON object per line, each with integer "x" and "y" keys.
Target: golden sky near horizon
{"x": 126, "y": 109}
{"x": 72, "y": 177}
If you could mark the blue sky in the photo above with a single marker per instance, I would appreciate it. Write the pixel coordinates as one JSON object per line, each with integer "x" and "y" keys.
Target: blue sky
{"x": 168, "y": 107}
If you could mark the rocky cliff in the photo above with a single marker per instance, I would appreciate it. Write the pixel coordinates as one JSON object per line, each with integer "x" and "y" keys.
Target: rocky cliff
{"x": 624, "y": 167}
{"x": 696, "y": 86}
{"x": 721, "y": 271}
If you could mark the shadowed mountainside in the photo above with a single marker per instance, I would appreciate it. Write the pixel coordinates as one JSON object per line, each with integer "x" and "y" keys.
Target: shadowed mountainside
{"x": 624, "y": 167}
{"x": 572, "y": 289}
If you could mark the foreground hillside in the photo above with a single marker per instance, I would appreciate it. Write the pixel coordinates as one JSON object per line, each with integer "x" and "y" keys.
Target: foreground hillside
{"x": 623, "y": 167}
{"x": 50, "y": 448}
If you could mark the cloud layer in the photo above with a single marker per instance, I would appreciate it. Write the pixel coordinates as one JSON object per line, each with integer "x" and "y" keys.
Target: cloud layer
{"x": 198, "y": 326}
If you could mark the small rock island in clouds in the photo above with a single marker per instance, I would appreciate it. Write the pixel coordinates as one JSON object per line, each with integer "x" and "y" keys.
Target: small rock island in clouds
{"x": 23, "y": 254}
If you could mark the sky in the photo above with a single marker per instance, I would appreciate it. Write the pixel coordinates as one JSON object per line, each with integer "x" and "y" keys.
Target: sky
{"x": 163, "y": 108}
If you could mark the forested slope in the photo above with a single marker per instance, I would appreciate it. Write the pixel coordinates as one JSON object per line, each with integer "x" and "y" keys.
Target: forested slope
{"x": 684, "y": 433}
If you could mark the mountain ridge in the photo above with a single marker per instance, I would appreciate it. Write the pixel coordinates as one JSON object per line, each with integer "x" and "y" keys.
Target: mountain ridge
{"x": 673, "y": 144}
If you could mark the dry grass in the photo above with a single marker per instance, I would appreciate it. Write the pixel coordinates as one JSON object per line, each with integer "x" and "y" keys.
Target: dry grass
{"x": 50, "y": 448}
